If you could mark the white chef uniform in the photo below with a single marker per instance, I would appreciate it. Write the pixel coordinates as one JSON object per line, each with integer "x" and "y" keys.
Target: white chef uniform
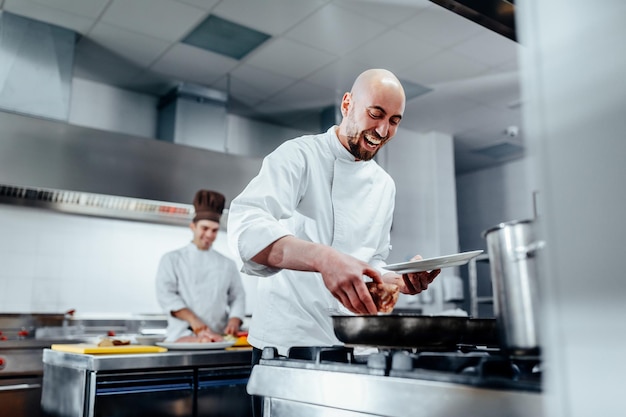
{"x": 204, "y": 281}
{"x": 310, "y": 187}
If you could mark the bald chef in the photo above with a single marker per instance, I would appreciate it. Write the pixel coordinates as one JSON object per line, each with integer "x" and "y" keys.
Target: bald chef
{"x": 200, "y": 289}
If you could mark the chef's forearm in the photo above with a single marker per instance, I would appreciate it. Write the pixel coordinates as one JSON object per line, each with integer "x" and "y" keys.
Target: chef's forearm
{"x": 190, "y": 317}
{"x": 292, "y": 253}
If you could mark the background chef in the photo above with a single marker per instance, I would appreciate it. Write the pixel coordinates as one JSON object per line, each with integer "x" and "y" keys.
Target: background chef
{"x": 200, "y": 289}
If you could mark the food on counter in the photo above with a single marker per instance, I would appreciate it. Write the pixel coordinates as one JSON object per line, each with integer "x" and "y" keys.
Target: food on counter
{"x": 196, "y": 339}
{"x": 107, "y": 341}
{"x": 385, "y": 296}
{"x": 240, "y": 339}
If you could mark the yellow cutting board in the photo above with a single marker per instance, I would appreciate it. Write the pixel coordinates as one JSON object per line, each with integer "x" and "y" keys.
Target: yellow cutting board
{"x": 95, "y": 349}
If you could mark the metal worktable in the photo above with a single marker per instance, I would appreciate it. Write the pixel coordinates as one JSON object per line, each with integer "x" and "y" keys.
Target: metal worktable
{"x": 148, "y": 361}
{"x": 189, "y": 383}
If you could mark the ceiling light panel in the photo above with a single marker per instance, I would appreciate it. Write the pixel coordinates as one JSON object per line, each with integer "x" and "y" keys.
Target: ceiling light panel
{"x": 225, "y": 37}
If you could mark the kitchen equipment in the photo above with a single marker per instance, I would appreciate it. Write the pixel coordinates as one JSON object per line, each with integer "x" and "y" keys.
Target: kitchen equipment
{"x": 331, "y": 381}
{"x": 201, "y": 383}
{"x": 21, "y": 368}
{"x": 419, "y": 332}
{"x": 512, "y": 247}
{"x": 87, "y": 348}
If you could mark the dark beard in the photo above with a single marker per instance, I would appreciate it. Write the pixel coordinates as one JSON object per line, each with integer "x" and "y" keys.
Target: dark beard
{"x": 357, "y": 151}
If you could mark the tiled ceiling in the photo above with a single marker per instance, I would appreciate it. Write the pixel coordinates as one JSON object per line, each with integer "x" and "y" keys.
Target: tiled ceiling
{"x": 467, "y": 75}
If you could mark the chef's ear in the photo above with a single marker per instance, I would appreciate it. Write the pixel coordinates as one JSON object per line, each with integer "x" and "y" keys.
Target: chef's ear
{"x": 345, "y": 104}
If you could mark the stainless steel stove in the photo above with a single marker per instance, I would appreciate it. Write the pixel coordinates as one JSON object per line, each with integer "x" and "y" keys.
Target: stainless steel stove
{"x": 334, "y": 381}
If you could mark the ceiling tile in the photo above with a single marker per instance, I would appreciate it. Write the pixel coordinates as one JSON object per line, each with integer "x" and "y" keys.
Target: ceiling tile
{"x": 335, "y": 30}
{"x": 203, "y": 4}
{"x": 186, "y": 62}
{"x": 269, "y": 16}
{"x": 339, "y": 75}
{"x": 382, "y": 51}
{"x": 286, "y": 57}
{"x": 442, "y": 68}
{"x": 433, "y": 110}
{"x": 163, "y": 19}
{"x": 440, "y": 27}
{"x": 489, "y": 48}
{"x": 496, "y": 90}
{"x": 135, "y": 47}
{"x": 389, "y": 14}
{"x": 38, "y": 11}
{"x": 86, "y": 8}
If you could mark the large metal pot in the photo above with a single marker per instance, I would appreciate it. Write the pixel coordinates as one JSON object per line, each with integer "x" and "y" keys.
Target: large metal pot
{"x": 512, "y": 247}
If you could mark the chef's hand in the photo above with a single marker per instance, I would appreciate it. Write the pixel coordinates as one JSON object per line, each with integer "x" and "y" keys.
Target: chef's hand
{"x": 343, "y": 276}
{"x": 197, "y": 325}
{"x": 416, "y": 282}
{"x": 233, "y": 325}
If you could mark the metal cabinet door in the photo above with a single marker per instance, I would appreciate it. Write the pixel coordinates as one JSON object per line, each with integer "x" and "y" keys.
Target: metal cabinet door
{"x": 153, "y": 394}
{"x": 222, "y": 392}
{"x": 20, "y": 397}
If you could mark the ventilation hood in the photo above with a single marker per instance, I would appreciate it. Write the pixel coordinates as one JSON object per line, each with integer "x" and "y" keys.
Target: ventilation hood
{"x": 52, "y": 154}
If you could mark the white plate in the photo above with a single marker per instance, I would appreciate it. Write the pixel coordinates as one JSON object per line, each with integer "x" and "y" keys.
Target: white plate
{"x": 434, "y": 263}
{"x": 196, "y": 345}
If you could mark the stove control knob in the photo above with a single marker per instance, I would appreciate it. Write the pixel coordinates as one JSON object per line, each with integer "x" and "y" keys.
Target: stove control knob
{"x": 379, "y": 360}
{"x": 3, "y": 363}
{"x": 401, "y": 361}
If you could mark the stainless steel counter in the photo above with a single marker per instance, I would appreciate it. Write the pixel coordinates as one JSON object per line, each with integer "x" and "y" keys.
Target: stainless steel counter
{"x": 151, "y": 361}
{"x": 191, "y": 383}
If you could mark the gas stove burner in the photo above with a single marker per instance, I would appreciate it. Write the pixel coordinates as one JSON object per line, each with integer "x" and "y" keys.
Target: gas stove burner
{"x": 482, "y": 369}
{"x": 471, "y": 365}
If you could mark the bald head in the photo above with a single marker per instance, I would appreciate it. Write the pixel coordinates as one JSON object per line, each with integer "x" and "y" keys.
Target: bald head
{"x": 371, "y": 112}
{"x": 379, "y": 81}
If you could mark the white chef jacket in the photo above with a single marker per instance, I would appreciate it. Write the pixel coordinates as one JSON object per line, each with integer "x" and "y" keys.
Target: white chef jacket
{"x": 312, "y": 188}
{"x": 204, "y": 281}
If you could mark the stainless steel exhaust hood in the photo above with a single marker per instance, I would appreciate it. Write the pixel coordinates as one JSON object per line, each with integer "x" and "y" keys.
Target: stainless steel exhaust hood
{"x": 54, "y": 155}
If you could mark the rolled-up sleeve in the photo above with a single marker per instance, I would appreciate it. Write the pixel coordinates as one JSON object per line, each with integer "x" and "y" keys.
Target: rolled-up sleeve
{"x": 254, "y": 216}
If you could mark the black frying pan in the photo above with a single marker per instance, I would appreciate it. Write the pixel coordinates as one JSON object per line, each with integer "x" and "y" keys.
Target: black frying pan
{"x": 424, "y": 332}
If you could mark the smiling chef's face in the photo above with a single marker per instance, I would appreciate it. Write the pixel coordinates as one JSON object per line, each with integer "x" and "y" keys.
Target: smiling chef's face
{"x": 204, "y": 233}
{"x": 372, "y": 112}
